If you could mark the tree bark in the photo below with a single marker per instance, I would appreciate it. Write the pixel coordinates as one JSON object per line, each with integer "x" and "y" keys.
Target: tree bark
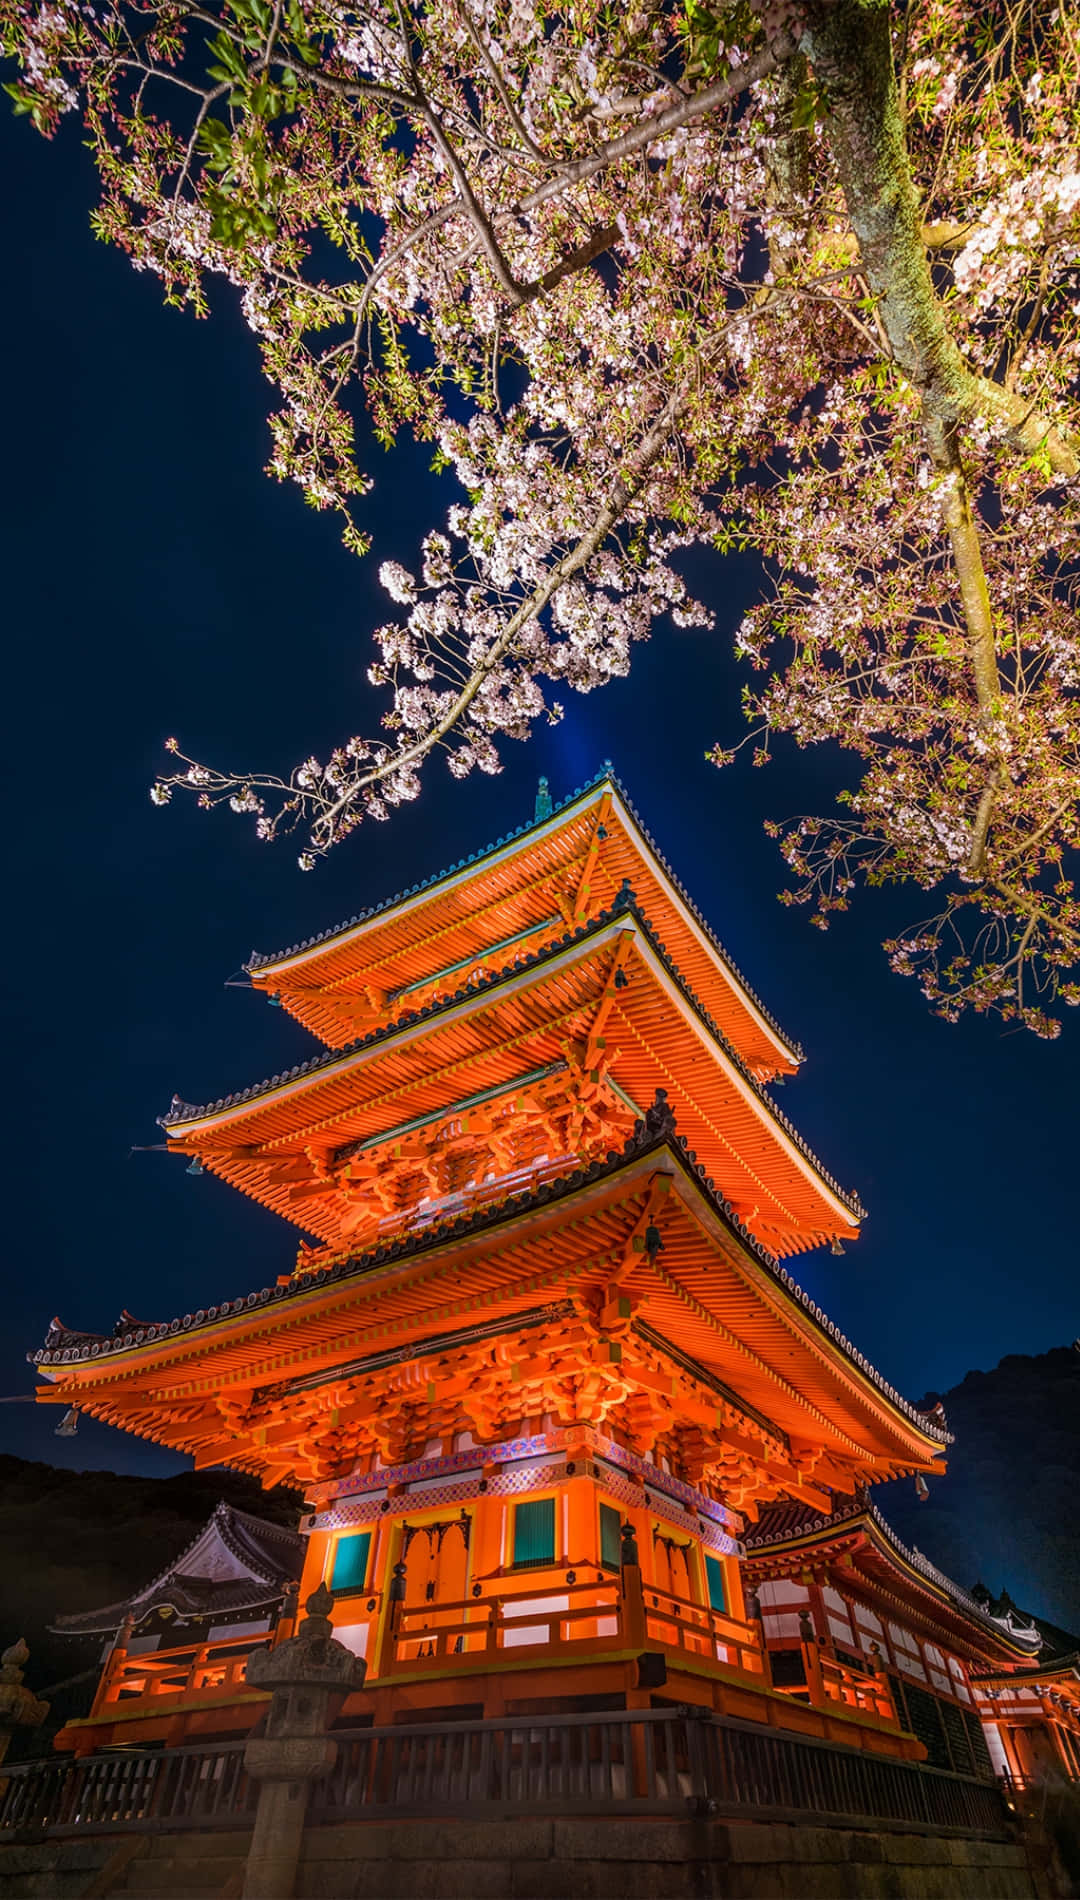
{"x": 849, "y": 46}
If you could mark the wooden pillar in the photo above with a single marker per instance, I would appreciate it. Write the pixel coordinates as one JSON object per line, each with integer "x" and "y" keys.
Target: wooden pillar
{"x": 811, "y": 1660}
{"x": 634, "y": 1636}
{"x": 634, "y": 1631}
{"x": 487, "y": 1530}
{"x": 582, "y": 1532}
{"x": 393, "y": 1599}
{"x": 819, "y": 1614}
{"x": 752, "y": 1614}
{"x": 112, "y": 1666}
{"x": 315, "y": 1561}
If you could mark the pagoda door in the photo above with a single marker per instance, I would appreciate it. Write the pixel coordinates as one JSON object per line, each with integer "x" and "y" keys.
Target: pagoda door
{"x": 673, "y": 1621}
{"x": 1037, "y": 1755}
{"x": 436, "y": 1560}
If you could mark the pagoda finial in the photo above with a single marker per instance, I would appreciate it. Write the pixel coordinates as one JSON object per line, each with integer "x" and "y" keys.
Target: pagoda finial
{"x": 543, "y": 802}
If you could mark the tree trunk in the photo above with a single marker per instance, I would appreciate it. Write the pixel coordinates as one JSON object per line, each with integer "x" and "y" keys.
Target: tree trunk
{"x": 849, "y": 45}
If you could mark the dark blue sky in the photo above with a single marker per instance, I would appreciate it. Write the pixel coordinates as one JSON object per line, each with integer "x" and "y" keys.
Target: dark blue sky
{"x": 155, "y": 581}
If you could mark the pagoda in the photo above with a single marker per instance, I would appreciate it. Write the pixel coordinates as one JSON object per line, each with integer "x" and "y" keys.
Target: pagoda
{"x": 540, "y": 1365}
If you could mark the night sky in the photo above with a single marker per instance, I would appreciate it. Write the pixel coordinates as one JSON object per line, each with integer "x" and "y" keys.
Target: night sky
{"x": 155, "y": 582}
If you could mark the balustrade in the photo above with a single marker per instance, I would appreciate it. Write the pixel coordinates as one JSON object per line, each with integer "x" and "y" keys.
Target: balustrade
{"x": 661, "y": 1761}
{"x": 199, "y": 1668}
{"x": 540, "y": 1615}
{"x": 701, "y": 1631}
{"x": 130, "y": 1788}
{"x": 855, "y": 1688}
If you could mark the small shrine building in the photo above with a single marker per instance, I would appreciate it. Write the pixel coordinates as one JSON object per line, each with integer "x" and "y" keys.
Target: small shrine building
{"x": 842, "y": 1589}
{"x": 176, "y": 1650}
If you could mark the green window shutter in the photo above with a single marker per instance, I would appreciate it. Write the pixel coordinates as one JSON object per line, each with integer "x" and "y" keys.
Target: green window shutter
{"x": 534, "y": 1531}
{"x": 351, "y": 1562}
{"x": 714, "y": 1583}
{"x": 610, "y": 1538}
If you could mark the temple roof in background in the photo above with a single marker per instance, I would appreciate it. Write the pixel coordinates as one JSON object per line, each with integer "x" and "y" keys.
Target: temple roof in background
{"x": 236, "y": 1562}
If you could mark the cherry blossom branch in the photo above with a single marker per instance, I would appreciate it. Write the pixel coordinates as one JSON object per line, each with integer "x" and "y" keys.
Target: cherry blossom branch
{"x": 326, "y": 815}
{"x": 893, "y": 424}
{"x": 656, "y": 126}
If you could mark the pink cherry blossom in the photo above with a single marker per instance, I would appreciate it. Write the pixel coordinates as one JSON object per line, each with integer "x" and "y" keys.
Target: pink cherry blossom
{"x": 635, "y": 280}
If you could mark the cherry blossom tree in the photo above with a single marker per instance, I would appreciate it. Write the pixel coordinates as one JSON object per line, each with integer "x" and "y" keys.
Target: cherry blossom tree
{"x": 791, "y": 275}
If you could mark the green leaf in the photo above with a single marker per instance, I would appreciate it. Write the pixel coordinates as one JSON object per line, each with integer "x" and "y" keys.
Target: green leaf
{"x": 24, "y": 103}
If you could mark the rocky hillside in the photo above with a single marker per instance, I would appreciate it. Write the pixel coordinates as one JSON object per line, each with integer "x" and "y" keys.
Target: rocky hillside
{"x": 1006, "y": 1514}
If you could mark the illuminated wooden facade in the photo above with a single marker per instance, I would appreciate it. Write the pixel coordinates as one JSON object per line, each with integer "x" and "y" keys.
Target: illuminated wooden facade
{"x": 842, "y": 1589}
{"x": 539, "y": 1364}
{"x": 1031, "y": 1718}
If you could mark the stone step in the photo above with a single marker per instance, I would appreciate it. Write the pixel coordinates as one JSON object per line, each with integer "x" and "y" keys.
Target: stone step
{"x": 204, "y": 1877}
{"x": 182, "y": 1891}
{"x": 194, "y": 1845}
{"x": 227, "y": 1889}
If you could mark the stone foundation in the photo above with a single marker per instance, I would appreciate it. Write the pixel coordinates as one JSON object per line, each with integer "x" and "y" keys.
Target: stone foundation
{"x": 573, "y": 1859}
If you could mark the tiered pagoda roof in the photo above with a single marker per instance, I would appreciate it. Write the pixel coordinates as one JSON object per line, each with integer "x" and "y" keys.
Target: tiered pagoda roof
{"x": 516, "y": 895}
{"x": 253, "y": 1382}
{"x": 570, "y": 1036}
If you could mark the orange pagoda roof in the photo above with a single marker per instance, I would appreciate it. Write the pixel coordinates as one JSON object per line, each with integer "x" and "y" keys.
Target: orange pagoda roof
{"x": 512, "y": 899}
{"x": 663, "y": 1292}
{"x": 546, "y": 1055}
{"x": 789, "y": 1539}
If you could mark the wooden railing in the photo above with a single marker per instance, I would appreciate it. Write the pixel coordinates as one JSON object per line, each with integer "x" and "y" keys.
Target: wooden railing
{"x": 541, "y": 1614}
{"x": 546, "y": 1611}
{"x": 659, "y": 1761}
{"x": 136, "y": 1788}
{"x": 701, "y": 1631}
{"x": 854, "y": 1688}
{"x": 195, "y": 1669}
{"x": 825, "y": 1679}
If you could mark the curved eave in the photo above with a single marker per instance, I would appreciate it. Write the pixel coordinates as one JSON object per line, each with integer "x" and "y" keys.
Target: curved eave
{"x": 923, "y": 1576}
{"x": 111, "y": 1616}
{"x": 1063, "y": 1671}
{"x": 198, "y": 1126}
{"x": 915, "y": 1444}
{"x": 322, "y": 949}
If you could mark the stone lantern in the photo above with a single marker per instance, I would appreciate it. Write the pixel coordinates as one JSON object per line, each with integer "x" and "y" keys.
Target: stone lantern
{"x": 308, "y": 1676}
{"x": 19, "y": 1706}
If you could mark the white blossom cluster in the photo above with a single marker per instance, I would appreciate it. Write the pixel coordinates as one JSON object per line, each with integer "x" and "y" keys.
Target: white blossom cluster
{"x": 603, "y": 266}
